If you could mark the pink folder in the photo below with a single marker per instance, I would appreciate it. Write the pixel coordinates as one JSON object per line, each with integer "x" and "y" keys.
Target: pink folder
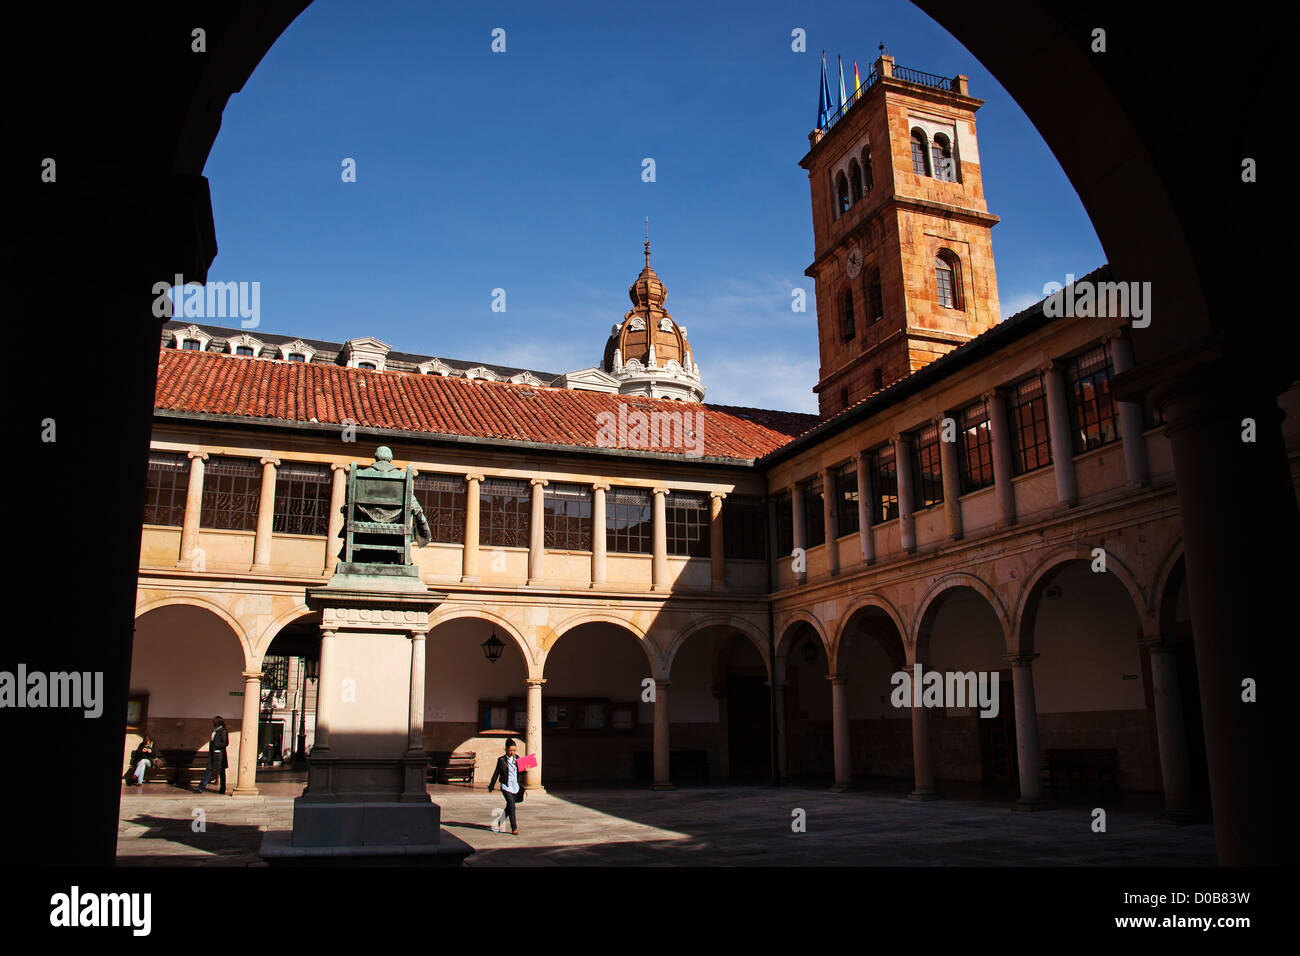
{"x": 527, "y": 762}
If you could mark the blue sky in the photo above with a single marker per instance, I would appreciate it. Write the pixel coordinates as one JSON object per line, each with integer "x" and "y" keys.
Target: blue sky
{"x": 522, "y": 170}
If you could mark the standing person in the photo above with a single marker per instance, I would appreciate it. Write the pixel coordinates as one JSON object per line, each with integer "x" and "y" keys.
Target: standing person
{"x": 507, "y": 772}
{"x": 144, "y": 758}
{"x": 216, "y": 755}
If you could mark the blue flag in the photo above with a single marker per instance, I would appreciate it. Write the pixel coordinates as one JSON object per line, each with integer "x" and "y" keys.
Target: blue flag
{"x": 824, "y": 101}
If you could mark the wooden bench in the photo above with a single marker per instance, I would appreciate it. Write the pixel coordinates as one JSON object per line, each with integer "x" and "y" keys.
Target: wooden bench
{"x": 183, "y": 768}
{"x": 1081, "y": 769}
{"x": 457, "y": 765}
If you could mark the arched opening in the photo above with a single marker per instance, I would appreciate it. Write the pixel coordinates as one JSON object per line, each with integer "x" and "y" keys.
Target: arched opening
{"x": 597, "y": 712}
{"x": 867, "y": 179}
{"x": 472, "y": 703}
{"x": 841, "y": 195}
{"x": 1096, "y": 722}
{"x": 941, "y": 154}
{"x": 187, "y": 666}
{"x": 947, "y": 279}
{"x": 870, "y": 652}
{"x": 287, "y": 714}
{"x": 848, "y": 328}
{"x": 721, "y": 705}
{"x": 808, "y": 751}
{"x": 973, "y": 736}
{"x": 920, "y": 154}
{"x": 855, "y": 180}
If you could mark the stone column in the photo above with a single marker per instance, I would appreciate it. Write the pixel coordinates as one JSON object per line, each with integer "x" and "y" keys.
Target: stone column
{"x": 338, "y": 492}
{"x": 599, "y": 526}
{"x": 193, "y": 509}
{"x": 1058, "y": 424}
{"x": 469, "y": 573}
{"x": 922, "y": 761}
{"x": 717, "y": 546}
{"x": 659, "y": 562}
{"x": 246, "y": 783}
{"x": 865, "y": 510}
{"x": 415, "y": 732}
{"x": 536, "y": 529}
{"x": 951, "y": 475}
{"x": 265, "y": 514}
{"x": 1171, "y": 732}
{"x": 533, "y": 733}
{"x": 1003, "y": 467}
{"x": 903, "y": 468}
{"x": 840, "y": 733}
{"x": 1028, "y": 755}
{"x": 326, "y": 694}
{"x": 1131, "y": 425}
{"x": 831, "y": 520}
{"x": 662, "y": 779}
{"x": 800, "y": 532}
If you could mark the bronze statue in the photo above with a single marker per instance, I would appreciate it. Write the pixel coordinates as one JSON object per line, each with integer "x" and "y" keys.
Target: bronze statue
{"x": 381, "y": 514}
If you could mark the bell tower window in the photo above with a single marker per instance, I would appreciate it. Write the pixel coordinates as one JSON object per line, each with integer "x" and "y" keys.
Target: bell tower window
{"x": 875, "y": 297}
{"x": 947, "y": 275}
{"x": 920, "y": 155}
{"x": 841, "y": 195}
{"x": 855, "y": 180}
{"x": 941, "y": 152}
{"x": 847, "y": 328}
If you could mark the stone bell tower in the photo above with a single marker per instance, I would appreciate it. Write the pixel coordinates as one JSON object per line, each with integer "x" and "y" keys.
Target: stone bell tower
{"x": 902, "y": 236}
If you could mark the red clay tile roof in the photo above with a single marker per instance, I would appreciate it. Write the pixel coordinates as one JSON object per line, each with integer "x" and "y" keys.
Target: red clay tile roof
{"x": 270, "y": 389}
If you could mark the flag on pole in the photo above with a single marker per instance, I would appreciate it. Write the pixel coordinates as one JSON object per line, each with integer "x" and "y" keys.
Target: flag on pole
{"x": 844, "y": 100}
{"x": 857, "y": 82}
{"x": 824, "y": 100}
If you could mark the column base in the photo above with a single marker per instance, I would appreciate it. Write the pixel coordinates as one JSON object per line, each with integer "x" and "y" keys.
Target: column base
{"x": 662, "y": 786}
{"x": 840, "y": 788}
{"x": 1181, "y": 818}
{"x": 245, "y": 792}
{"x": 924, "y": 795}
{"x": 540, "y": 790}
{"x": 470, "y": 579}
{"x": 1030, "y": 805}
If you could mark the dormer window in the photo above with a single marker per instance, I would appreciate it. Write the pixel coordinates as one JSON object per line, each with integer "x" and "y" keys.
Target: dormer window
{"x": 243, "y": 350}
{"x": 192, "y": 345}
{"x": 368, "y": 353}
{"x": 297, "y": 357}
{"x": 370, "y": 366}
{"x": 296, "y": 351}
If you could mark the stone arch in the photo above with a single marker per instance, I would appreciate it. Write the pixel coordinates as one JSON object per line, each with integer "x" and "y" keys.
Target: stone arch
{"x": 738, "y": 624}
{"x": 654, "y": 656}
{"x": 870, "y": 600}
{"x": 189, "y": 600}
{"x": 1164, "y": 573}
{"x": 785, "y": 626}
{"x": 1020, "y": 642}
{"x": 454, "y": 611}
{"x": 268, "y": 635}
{"x": 929, "y": 603}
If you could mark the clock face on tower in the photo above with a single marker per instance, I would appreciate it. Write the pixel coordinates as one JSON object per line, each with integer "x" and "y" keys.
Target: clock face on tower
{"x": 853, "y": 265}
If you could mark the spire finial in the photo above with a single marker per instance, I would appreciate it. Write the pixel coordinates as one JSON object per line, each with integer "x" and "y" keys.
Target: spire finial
{"x": 647, "y": 242}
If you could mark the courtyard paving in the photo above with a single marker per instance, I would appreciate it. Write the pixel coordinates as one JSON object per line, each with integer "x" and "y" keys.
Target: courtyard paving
{"x": 702, "y": 826}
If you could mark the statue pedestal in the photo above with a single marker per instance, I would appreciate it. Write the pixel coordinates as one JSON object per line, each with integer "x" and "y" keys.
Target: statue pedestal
{"x": 366, "y": 799}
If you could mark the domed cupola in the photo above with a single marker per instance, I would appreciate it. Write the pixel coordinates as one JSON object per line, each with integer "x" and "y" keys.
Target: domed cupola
{"x": 648, "y": 352}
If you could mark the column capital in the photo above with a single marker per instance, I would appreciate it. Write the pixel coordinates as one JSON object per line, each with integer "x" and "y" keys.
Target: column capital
{"x": 662, "y": 683}
{"x": 252, "y": 675}
{"x": 599, "y": 486}
{"x": 1160, "y": 643}
{"x": 992, "y": 395}
{"x": 200, "y": 455}
{"x": 718, "y": 494}
{"x": 836, "y": 680}
{"x": 1049, "y": 366}
{"x": 418, "y": 635}
{"x": 534, "y": 681}
{"x": 1019, "y": 660}
{"x": 659, "y": 491}
{"x": 328, "y": 632}
{"x": 538, "y": 481}
{"x": 340, "y": 466}
{"x": 273, "y": 462}
{"x": 473, "y": 477}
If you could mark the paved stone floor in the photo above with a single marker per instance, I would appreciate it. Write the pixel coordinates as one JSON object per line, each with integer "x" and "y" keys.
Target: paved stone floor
{"x": 691, "y": 826}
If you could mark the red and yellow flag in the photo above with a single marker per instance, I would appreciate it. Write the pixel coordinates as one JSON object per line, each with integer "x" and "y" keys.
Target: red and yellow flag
{"x": 857, "y": 82}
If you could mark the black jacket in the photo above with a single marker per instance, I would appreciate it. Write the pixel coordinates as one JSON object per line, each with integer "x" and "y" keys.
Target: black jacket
{"x": 502, "y": 773}
{"x": 217, "y": 749}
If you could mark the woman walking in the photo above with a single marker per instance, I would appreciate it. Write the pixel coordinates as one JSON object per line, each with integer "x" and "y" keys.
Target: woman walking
{"x": 507, "y": 771}
{"x": 216, "y": 755}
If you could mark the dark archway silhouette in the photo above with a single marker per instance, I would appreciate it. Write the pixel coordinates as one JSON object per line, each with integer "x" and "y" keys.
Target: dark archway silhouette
{"x": 129, "y": 112}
